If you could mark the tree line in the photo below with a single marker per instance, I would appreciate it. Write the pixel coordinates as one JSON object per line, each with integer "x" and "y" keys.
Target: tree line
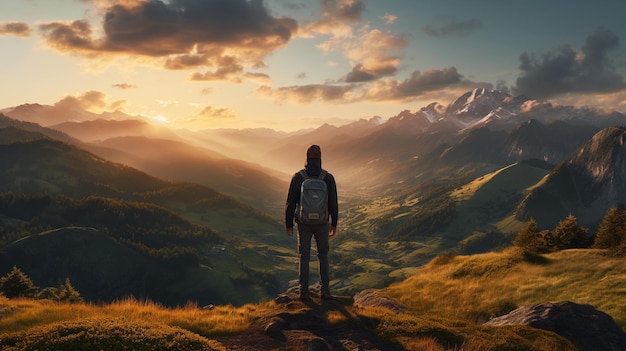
{"x": 611, "y": 235}
{"x": 17, "y": 284}
{"x": 147, "y": 227}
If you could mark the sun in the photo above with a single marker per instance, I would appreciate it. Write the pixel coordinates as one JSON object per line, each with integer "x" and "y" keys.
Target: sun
{"x": 160, "y": 119}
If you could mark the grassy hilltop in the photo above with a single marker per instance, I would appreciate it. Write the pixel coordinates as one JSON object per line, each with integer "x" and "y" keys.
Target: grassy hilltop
{"x": 446, "y": 299}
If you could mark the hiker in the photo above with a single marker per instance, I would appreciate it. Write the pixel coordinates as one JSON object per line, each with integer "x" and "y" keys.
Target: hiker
{"x": 314, "y": 219}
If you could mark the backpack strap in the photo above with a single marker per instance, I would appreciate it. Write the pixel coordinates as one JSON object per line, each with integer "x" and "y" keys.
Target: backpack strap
{"x": 322, "y": 175}
{"x": 305, "y": 175}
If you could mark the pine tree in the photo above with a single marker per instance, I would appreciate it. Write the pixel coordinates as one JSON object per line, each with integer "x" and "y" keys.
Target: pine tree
{"x": 612, "y": 230}
{"x": 17, "y": 284}
{"x": 568, "y": 235}
{"x": 527, "y": 238}
{"x": 66, "y": 292}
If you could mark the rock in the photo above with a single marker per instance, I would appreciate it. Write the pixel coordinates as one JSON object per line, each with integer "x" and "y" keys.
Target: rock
{"x": 312, "y": 343}
{"x": 587, "y": 328}
{"x": 283, "y": 299}
{"x": 274, "y": 330}
{"x": 368, "y": 298}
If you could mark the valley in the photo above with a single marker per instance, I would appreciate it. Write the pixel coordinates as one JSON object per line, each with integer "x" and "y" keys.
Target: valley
{"x": 419, "y": 184}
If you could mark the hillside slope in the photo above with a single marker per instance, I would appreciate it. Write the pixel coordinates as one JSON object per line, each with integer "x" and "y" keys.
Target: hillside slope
{"x": 440, "y": 308}
{"x": 586, "y": 185}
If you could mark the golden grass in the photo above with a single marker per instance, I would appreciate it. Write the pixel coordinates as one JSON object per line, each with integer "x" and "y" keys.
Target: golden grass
{"x": 23, "y": 314}
{"x": 448, "y": 299}
{"x": 432, "y": 332}
{"x": 126, "y": 324}
{"x": 475, "y": 288}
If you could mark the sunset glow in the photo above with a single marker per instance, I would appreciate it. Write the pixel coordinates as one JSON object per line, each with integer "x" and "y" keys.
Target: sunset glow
{"x": 292, "y": 64}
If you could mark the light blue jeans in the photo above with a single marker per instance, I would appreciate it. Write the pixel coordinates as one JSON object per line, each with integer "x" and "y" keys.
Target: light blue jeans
{"x": 305, "y": 235}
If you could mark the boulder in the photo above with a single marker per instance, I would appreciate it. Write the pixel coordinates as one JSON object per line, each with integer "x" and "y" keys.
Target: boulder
{"x": 368, "y": 298}
{"x": 586, "y": 327}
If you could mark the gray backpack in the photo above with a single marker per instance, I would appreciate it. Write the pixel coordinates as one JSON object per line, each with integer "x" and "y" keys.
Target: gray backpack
{"x": 313, "y": 205}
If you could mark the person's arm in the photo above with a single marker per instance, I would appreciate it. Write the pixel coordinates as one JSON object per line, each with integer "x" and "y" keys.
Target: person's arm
{"x": 292, "y": 200}
{"x": 333, "y": 205}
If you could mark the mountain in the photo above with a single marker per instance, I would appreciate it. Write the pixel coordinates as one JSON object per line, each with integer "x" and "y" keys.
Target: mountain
{"x": 101, "y": 129}
{"x": 47, "y": 115}
{"x": 259, "y": 187}
{"x": 480, "y": 131}
{"x": 34, "y": 128}
{"x": 586, "y": 185}
{"x": 51, "y": 184}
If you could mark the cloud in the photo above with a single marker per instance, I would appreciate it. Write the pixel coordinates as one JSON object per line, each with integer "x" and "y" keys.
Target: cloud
{"x": 219, "y": 112}
{"x": 390, "y": 19}
{"x": 418, "y": 84}
{"x": 373, "y": 53}
{"x": 453, "y": 27}
{"x": 434, "y": 82}
{"x": 94, "y": 101}
{"x": 15, "y": 28}
{"x": 337, "y": 18}
{"x": 305, "y": 94}
{"x": 566, "y": 70}
{"x": 184, "y": 33}
{"x": 124, "y": 86}
{"x": 226, "y": 73}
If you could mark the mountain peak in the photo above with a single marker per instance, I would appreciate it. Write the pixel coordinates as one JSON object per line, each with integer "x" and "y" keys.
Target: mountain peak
{"x": 604, "y": 156}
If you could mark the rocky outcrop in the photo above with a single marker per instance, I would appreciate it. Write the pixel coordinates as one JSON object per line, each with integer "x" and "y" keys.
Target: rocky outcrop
{"x": 586, "y": 327}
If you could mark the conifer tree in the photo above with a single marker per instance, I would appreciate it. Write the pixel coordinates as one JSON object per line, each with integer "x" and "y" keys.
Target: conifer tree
{"x": 528, "y": 237}
{"x": 66, "y": 292}
{"x": 17, "y": 284}
{"x": 612, "y": 230}
{"x": 568, "y": 235}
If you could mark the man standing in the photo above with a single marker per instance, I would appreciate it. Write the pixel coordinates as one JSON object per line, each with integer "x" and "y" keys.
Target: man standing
{"x": 313, "y": 224}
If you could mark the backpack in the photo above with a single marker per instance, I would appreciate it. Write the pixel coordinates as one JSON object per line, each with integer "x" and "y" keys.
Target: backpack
{"x": 313, "y": 205}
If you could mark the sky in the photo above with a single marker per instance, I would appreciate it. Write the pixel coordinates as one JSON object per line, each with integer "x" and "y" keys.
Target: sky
{"x": 296, "y": 64}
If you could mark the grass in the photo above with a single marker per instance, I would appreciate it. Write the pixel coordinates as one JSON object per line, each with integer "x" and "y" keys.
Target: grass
{"x": 433, "y": 333}
{"x": 127, "y": 324}
{"x": 23, "y": 314}
{"x": 447, "y": 300}
{"x": 478, "y": 287}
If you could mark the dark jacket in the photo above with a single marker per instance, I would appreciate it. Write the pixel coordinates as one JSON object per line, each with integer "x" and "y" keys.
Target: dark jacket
{"x": 313, "y": 168}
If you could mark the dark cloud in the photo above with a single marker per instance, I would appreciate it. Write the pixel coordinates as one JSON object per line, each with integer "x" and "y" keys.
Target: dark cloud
{"x": 453, "y": 26}
{"x": 72, "y": 37}
{"x": 15, "y": 28}
{"x": 432, "y": 82}
{"x": 344, "y": 10}
{"x": 417, "y": 85}
{"x": 361, "y": 74}
{"x": 189, "y": 33}
{"x": 566, "y": 70}
{"x": 309, "y": 93}
{"x": 434, "y": 79}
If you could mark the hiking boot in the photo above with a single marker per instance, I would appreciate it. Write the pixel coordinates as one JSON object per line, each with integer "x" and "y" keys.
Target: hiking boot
{"x": 304, "y": 294}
